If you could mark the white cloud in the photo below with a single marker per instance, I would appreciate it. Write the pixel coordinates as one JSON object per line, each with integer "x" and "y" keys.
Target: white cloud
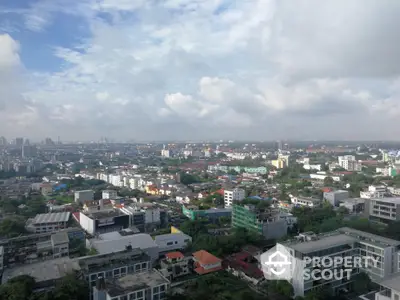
{"x": 215, "y": 66}
{"x": 9, "y": 51}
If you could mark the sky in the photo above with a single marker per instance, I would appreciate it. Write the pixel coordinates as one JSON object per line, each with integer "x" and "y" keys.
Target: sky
{"x": 200, "y": 69}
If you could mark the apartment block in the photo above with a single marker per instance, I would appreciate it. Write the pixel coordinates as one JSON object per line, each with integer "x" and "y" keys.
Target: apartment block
{"x": 335, "y": 197}
{"x": 120, "y": 264}
{"x": 382, "y": 209}
{"x": 175, "y": 265}
{"x": 345, "y": 242}
{"x": 301, "y": 201}
{"x": 266, "y": 222}
{"x": 149, "y": 285}
{"x": 48, "y": 222}
{"x": 235, "y": 194}
{"x": 83, "y": 196}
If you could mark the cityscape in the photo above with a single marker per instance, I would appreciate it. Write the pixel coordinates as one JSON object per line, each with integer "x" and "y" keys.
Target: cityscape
{"x": 199, "y": 150}
{"x": 160, "y": 220}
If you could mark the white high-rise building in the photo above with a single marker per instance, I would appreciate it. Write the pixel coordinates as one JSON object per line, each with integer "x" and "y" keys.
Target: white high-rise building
{"x": 235, "y": 194}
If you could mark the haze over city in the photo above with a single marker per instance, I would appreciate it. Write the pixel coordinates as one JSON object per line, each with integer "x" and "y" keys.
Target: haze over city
{"x": 180, "y": 69}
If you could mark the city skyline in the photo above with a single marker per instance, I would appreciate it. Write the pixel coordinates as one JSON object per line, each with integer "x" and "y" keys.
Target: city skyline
{"x": 199, "y": 69}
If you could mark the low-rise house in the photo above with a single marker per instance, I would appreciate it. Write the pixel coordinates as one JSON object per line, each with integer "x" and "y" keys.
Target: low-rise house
{"x": 205, "y": 262}
{"x": 175, "y": 265}
{"x": 245, "y": 266}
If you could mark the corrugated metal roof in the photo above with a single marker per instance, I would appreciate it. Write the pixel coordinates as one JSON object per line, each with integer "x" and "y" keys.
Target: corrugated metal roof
{"x": 52, "y": 218}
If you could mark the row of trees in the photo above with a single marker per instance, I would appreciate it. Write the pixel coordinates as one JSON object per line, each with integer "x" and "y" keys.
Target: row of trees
{"x": 325, "y": 219}
{"x": 221, "y": 286}
{"x": 217, "y": 245}
{"x": 21, "y": 288}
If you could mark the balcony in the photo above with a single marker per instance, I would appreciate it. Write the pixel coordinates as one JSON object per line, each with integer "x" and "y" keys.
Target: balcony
{"x": 383, "y": 295}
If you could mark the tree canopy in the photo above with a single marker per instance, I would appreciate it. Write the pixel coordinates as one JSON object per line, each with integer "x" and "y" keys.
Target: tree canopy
{"x": 21, "y": 288}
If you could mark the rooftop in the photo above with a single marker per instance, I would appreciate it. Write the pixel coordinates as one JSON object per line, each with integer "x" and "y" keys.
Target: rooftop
{"x": 323, "y": 242}
{"x": 167, "y": 236}
{"x": 369, "y": 237}
{"x": 174, "y": 255}
{"x": 134, "y": 282}
{"x": 395, "y": 200}
{"x": 104, "y": 261}
{"x": 206, "y": 258}
{"x": 59, "y": 238}
{"x": 104, "y": 214}
{"x": 43, "y": 271}
{"x": 114, "y": 242}
{"x": 51, "y": 218}
{"x": 342, "y": 236}
{"x": 393, "y": 282}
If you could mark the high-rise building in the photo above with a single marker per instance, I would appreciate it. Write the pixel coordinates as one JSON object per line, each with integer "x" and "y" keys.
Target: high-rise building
{"x": 3, "y": 141}
{"x": 29, "y": 151}
{"x": 279, "y": 145}
{"x": 19, "y": 141}
{"x": 48, "y": 141}
{"x": 235, "y": 194}
{"x": 343, "y": 243}
{"x": 263, "y": 221}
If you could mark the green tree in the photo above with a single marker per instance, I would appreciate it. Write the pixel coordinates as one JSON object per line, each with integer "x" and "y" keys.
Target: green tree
{"x": 17, "y": 288}
{"x": 12, "y": 226}
{"x": 328, "y": 181}
{"x": 361, "y": 283}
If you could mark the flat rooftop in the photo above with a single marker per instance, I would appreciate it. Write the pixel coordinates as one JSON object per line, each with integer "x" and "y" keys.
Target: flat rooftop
{"x": 43, "y": 271}
{"x": 395, "y": 200}
{"x": 363, "y": 236}
{"x": 342, "y": 236}
{"x": 393, "y": 282}
{"x": 135, "y": 282}
{"x": 51, "y": 218}
{"x": 115, "y": 242}
{"x": 104, "y": 214}
{"x": 323, "y": 242}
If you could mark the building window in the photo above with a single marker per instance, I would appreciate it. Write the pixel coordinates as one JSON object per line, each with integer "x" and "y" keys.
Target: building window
{"x": 116, "y": 272}
{"x": 108, "y": 274}
{"x": 132, "y": 296}
{"x": 156, "y": 290}
{"x": 139, "y": 294}
{"x": 170, "y": 243}
{"x": 125, "y": 297}
{"x": 162, "y": 288}
{"x": 137, "y": 267}
{"x": 144, "y": 265}
{"x": 156, "y": 297}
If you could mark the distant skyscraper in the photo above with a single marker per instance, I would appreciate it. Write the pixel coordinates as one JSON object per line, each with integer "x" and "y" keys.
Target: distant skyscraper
{"x": 28, "y": 151}
{"x": 27, "y": 142}
{"x": 279, "y": 145}
{"x": 19, "y": 141}
{"x": 3, "y": 141}
{"x": 48, "y": 141}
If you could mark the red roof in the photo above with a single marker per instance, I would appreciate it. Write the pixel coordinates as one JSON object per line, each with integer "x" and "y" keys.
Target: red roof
{"x": 205, "y": 258}
{"x": 242, "y": 261}
{"x": 174, "y": 255}
{"x": 326, "y": 189}
{"x": 201, "y": 270}
{"x": 220, "y": 191}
